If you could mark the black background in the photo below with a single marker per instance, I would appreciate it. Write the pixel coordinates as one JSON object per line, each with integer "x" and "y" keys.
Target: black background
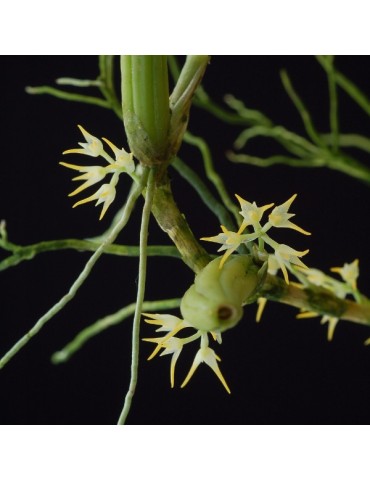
{"x": 282, "y": 370}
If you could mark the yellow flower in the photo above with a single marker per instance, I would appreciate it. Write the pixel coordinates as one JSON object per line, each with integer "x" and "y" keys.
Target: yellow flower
{"x": 124, "y": 160}
{"x": 279, "y": 217}
{"x": 349, "y": 273}
{"x": 170, "y": 343}
{"x": 173, "y": 345}
{"x": 251, "y": 213}
{"x": 105, "y": 195}
{"x": 230, "y": 241}
{"x": 331, "y": 321}
{"x": 285, "y": 256}
{"x": 209, "y": 357}
{"x": 92, "y": 175}
{"x": 93, "y": 147}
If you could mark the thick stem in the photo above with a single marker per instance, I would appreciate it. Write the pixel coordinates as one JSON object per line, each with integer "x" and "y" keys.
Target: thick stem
{"x": 315, "y": 299}
{"x": 174, "y": 224}
{"x": 145, "y": 106}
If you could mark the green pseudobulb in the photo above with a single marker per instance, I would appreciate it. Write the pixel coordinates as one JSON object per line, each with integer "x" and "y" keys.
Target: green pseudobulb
{"x": 215, "y": 300}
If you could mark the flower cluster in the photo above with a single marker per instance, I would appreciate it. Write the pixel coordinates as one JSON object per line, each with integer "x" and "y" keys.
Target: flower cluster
{"x": 349, "y": 273}
{"x": 173, "y": 345}
{"x": 122, "y": 163}
{"x": 283, "y": 256}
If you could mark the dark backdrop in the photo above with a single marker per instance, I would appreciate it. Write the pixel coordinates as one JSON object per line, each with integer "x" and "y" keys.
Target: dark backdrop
{"x": 282, "y": 370}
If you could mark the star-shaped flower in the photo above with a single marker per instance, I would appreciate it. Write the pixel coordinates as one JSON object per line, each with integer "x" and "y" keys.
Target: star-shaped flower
{"x": 251, "y": 213}
{"x": 285, "y": 256}
{"x": 93, "y": 146}
{"x": 230, "y": 241}
{"x": 123, "y": 159}
{"x": 123, "y": 163}
{"x": 208, "y": 356}
{"x": 105, "y": 195}
{"x": 173, "y": 345}
{"x": 279, "y": 217}
{"x": 92, "y": 175}
{"x": 349, "y": 273}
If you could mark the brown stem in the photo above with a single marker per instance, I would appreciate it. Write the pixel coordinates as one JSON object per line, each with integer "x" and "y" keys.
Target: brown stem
{"x": 316, "y": 299}
{"x": 171, "y": 221}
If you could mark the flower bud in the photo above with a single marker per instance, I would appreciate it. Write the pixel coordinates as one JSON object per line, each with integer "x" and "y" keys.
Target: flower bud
{"x": 214, "y": 302}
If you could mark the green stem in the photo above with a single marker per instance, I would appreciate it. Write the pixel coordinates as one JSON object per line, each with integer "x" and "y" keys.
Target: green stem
{"x": 274, "y": 160}
{"x": 347, "y": 85}
{"x": 145, "y": 106}
{"x": 106, "y": 83}
{"x": 306, "y": 118}
{"x": 333, "y": 98}
{"x": 350, "y": 140}
{"x": 28, "y": 252}
{"x": 353, "y": 91}
{"x": 77, "y": 82}
{"x": 316, "y": 299}
{"x": 188, "y": 79}
{"x": 243, "y": 116}
{"x": 140, "y": 297}
{"x": 211, "y": 173}
{"x": 341, "y": 163}
{"x": 201, "y": 188}
{"x": 73, "y": 97}
{"x": 80, "y": 279}
{"x": 349, "y": 166}
{"x": 171, "y": 221}
{"x": 108, "y": 321}
{"x": 293, "y": 143}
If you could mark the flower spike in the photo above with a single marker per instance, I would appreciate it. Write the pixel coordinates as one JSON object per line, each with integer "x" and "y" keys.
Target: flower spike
{"x": 93, "y": 147}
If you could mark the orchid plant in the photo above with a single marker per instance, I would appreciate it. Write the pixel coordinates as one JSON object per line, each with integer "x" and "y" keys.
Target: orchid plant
{"x": 254, "y": 267}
